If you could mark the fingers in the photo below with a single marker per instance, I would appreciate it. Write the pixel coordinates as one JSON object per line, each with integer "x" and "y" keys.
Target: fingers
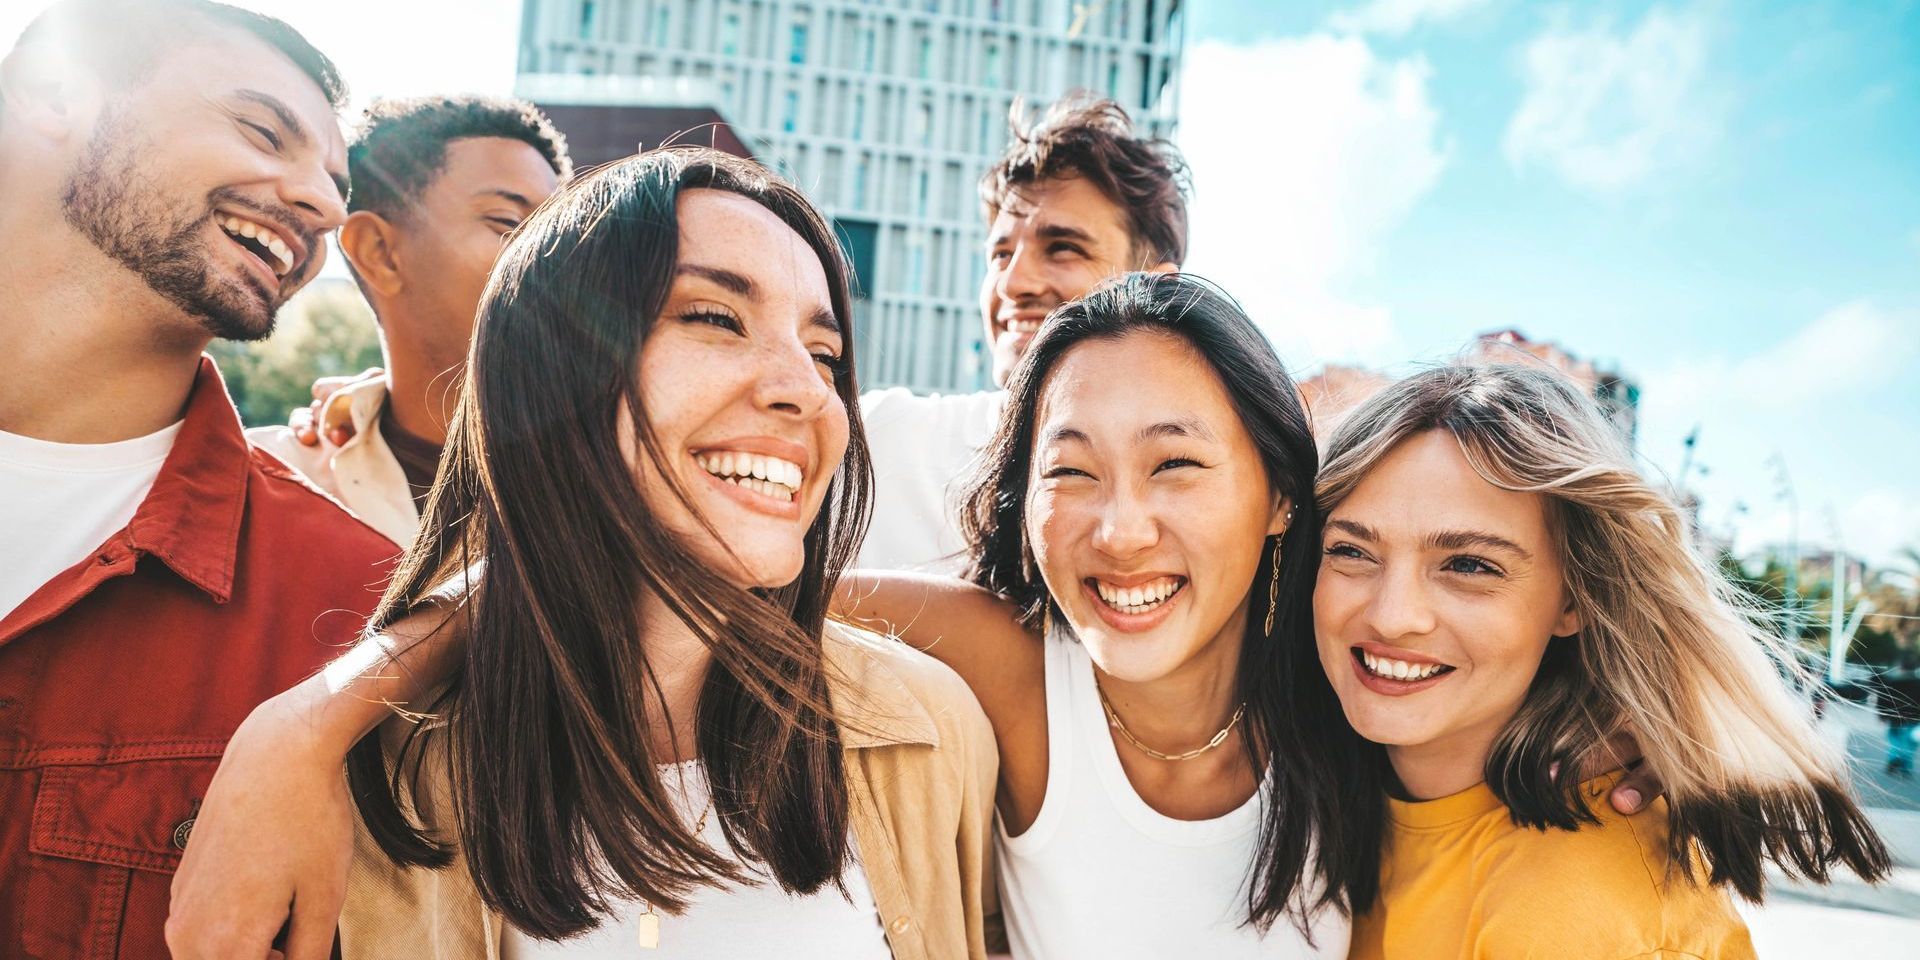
{"x": 309, "y": 937}
{"x": 1638, "y": 788}
{"x": 300, "y": 421}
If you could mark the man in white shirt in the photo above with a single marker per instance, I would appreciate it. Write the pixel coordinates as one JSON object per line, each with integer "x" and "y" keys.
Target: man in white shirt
{"x": 439, "y": 181}
{"x": 1075, "y": 200}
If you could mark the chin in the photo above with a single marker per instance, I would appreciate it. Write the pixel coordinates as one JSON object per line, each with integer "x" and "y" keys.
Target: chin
{"x": 1130, "y": 658}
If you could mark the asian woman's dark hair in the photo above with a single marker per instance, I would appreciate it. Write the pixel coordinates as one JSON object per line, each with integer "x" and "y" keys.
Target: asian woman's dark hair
{"x": 1322, "y": 810}
{"x": 547, "y": 732}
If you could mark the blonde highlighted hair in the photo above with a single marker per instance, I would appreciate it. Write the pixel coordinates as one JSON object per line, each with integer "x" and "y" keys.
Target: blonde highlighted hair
{"x": 1668, "y": 650}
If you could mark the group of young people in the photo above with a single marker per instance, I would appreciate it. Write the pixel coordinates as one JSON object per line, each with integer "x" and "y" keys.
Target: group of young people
{"x": 1132, "y": 664}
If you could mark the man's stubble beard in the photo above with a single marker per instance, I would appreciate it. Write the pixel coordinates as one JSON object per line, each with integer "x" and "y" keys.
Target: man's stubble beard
{"x": 124, "y": 213}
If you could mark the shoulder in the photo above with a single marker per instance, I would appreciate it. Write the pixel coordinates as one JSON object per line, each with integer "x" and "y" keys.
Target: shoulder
{"x": 1607, "y": 891}
{"x": 282, "y": 502}
{"x": 886, "y": 680}
{"x": 281, "y": 443}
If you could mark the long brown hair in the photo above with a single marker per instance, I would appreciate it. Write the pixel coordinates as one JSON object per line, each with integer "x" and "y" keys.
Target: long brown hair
{"x": 1667, "y": 649}
{"x": 537, "y": 533}
{"x": 1320, "y": 816}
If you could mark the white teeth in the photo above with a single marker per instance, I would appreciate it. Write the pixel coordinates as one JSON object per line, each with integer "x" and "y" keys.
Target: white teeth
{"x": 263, "y": 236}
{"x": 1138, "y": 599}
{"x": 772, "y": 476}
{"x": 1399, "y": 669}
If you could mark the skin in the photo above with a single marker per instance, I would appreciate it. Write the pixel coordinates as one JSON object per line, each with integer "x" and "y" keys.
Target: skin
{"x": 746, "y": 356}
{"x": 1054, "y": 241}
{"x": 423, "y": 271}
{"x": 90, "y": 350}
{"x": 1427, "y": 562}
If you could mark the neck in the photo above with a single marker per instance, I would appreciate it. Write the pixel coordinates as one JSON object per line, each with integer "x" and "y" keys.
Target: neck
{"x": 1443, "y": 767}
{"x": 88, "y": 354}
{"x": 1184, "y": 708}
{"x": 679, "y": 660}
{"x": 423, "y": 387}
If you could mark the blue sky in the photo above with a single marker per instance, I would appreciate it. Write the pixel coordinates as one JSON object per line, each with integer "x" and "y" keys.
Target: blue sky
{"x": 1722, "y": 199}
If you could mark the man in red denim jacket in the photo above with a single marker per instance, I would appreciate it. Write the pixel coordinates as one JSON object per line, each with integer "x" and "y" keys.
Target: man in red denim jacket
{"x": 169, "y": 170}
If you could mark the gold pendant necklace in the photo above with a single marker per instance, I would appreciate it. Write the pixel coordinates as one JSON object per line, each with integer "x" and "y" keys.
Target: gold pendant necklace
{"x": 1113, "y": 719}
{"x": 649, "y": 919}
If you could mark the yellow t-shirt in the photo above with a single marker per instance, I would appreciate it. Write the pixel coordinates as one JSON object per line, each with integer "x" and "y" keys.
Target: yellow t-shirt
{"x": 1460, "y": 881}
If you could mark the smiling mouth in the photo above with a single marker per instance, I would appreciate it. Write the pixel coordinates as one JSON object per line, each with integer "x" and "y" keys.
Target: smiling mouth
{"x": 1018, "y": 326}
{"x": 259, "y": 240}
{"x": 1140, "y": 598}
{"x": 770, "y": 477}
{"x": 1404, "y": 671}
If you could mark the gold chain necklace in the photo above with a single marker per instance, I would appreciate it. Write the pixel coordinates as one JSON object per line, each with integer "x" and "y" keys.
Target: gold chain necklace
{"x": 649, "y": 919}
{"x": 1113, "y": 719}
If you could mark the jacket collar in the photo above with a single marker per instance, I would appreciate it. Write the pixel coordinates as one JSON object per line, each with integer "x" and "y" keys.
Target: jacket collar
{"x": 872, "y": 703}
{"x": 191, "y": 518}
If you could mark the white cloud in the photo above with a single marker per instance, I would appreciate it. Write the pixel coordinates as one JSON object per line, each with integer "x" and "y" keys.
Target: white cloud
{"x": 1806, "y": 399}
{"x": 1397, "y": 17}
{"x": 1605, "y": 110}
{"x": 1307, "y": 152}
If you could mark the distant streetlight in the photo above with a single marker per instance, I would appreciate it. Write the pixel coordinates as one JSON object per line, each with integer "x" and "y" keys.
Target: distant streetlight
{"x": 1784, "y": 491}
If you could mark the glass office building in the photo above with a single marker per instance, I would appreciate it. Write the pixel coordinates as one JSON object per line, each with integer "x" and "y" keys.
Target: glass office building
{"x": 885, "y": 111}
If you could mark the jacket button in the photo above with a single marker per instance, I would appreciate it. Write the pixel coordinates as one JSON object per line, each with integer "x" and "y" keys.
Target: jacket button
{"x": 901, "y": 923}
{"x": 182, "y": 832}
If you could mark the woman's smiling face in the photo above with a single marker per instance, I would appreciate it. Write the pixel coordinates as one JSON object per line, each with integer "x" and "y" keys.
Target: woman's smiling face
{"x": 1437, "y": 596}
{"x": 1148, "y": 506}
{"x": 737, "y": 380}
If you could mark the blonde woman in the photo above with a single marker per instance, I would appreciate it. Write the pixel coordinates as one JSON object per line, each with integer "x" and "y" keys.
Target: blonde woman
{"x": 1500, "y": 591}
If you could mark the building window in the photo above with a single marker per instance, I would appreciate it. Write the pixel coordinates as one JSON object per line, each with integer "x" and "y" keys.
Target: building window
{"x": 860, "y": 182}
{"x": 790, "y": 111}
{"x": 730, "y": 35}
{"x": 923, "y": 123}
{"x": 922, "y": 209}
{"x": 923, "y": 47}
{"x": 797, "y": 47}
{"x": 586, "y": 19}
{"x": 993, "y": 65}
{"x": 994, "y": 11}
{"x": 660, "y": 25}
{"x": 859, "y": 116}
{"x": 866, "y": 49}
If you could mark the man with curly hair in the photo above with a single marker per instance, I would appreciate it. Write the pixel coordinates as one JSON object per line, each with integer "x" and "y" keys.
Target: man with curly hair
{"x": 438, "y": 183}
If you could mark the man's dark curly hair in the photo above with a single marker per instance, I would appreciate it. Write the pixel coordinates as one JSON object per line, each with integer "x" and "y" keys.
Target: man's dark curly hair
{"x": 400, "y": 145}
{"x": 1083, "y": 136}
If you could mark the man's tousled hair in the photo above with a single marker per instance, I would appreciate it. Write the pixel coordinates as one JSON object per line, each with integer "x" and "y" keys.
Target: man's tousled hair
{"x": 123, "y": 39}
{"x": 1093, "y": 139}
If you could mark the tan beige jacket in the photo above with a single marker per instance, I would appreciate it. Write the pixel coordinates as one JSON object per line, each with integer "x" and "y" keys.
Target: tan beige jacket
{"x": 362, "y": 473}
{"x": 921, "y": 768}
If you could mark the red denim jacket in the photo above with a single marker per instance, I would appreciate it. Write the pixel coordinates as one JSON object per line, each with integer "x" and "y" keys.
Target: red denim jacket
{"x": 122, "y": 678}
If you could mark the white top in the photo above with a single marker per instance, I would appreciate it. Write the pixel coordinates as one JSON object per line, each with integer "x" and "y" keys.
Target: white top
{"x": 59, "y": 502}
{"x": 1102, "y": 874}
{"x": 748, "y": 923}
{"x": 923, "y": 448}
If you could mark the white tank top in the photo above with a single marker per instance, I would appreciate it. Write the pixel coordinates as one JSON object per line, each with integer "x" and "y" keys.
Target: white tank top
{"x": 749, "y": 922}
{"x": 1101, "y": 874}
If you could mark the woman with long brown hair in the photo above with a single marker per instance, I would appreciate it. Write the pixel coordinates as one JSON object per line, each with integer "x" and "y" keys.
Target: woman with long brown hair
{"x": 1500, "y": 592}
{"x": 650, "y": 736}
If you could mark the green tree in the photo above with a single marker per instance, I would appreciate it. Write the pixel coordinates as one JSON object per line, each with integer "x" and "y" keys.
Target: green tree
{"x": 325, "y": 330}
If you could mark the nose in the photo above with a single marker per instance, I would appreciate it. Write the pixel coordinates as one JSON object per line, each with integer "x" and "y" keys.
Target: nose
{"x": 1127, "y": 527}
{"x": 1400, "y": 606}
{"x": 312, "y": 192}
{"x": 789, "y": 382}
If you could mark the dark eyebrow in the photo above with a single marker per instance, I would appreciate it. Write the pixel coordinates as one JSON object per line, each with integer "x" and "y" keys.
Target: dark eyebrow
{"x": 732, "y": 282}
{"x": 507, "y": 195}
{"x": 1353, "y": 528}
{"x": 1466, "y": 539}
{"x": 1061, "y": 434}
{"x": 1061, "y": 231}
{"x": 1183, "y": 427}
{"x": 825, "y": 320}
{"x": 296, "y": 131}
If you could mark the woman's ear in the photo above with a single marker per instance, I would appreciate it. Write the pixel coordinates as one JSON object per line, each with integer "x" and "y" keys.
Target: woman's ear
{"x": 1570, "y": 620}
{"x": 1282, "y": 516}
